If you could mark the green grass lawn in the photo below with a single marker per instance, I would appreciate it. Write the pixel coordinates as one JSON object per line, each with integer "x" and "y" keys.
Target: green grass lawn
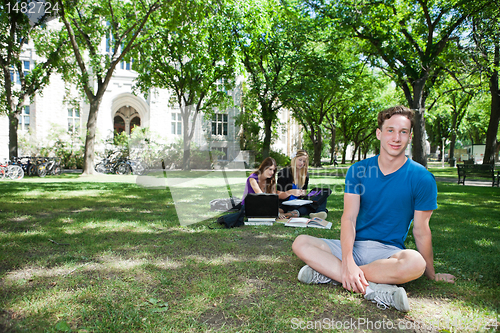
{"x": 105, "y": 255}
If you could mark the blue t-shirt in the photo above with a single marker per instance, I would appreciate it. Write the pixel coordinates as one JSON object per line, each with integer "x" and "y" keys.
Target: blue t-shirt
{"x": 387, "y": 203}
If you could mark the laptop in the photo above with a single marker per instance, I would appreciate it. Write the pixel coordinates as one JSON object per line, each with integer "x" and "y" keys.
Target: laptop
{"x": 261, "y": 208}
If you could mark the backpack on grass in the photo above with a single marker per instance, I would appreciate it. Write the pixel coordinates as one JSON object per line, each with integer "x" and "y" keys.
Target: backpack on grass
{"x": 233, "y": 219}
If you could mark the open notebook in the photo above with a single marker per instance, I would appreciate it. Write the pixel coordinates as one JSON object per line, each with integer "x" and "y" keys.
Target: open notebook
{"x": 303, "y": 222}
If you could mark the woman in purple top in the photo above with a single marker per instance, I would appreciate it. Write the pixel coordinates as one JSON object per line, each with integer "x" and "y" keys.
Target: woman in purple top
{"x": 263, "y": 180}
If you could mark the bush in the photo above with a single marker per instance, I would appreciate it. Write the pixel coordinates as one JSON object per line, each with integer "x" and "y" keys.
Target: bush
{"x": 173, "y": 154}
{"x": 66, "y": 146}
{"x": 280, "y": 158}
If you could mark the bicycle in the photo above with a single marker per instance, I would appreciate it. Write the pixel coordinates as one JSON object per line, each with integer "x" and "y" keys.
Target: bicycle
{"x": 24, "y": 162}
{"x": 110, "y": 163}
{"x": 3, "y": 171}
{"x": 54, "y": 166}
{"x": 41, "y": 167}
{"x": 12, "y": 171}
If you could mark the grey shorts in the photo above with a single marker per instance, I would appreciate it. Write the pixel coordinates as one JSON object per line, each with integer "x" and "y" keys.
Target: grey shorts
{"x": 364, "y": 252}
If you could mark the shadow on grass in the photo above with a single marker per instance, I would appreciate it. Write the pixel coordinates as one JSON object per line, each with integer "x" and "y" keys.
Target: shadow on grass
{"x": 127, "y": 257}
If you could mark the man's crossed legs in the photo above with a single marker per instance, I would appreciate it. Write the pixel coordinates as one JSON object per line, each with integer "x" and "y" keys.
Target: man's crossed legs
{"x": 383, "y": 266}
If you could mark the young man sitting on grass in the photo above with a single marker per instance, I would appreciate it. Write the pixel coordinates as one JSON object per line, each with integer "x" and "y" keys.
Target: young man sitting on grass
{"x": 383, "y": 195}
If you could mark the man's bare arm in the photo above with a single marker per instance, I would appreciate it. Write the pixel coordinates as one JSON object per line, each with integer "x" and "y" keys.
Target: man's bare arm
{"x": 423, "y": 240}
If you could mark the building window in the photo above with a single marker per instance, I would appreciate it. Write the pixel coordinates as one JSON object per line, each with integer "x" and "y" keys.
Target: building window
{"x": 14, "y": 76}
{"x": 221, "y": 155}
{"x": 220, "y": 85}
{"x": 24, "y": 119}
{"x": 74, "y": 120}
{"x": 126, "y": 65}
{"x": 26, "y": 68}
{"x": 176, "y": 123}
{"x": 219, "y": 124}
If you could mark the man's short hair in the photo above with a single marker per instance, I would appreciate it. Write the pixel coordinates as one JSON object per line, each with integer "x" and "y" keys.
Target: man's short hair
{"x": 400, "y": 109}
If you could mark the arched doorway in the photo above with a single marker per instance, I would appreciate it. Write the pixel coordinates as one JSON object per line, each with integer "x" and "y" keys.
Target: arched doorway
{"x": 118, "y": 124}
{"x": 125, "y": 119}
{"x": 136, "y": 121}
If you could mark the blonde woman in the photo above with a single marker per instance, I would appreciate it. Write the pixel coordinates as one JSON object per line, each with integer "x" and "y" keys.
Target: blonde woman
{"x": 292, "y": 184}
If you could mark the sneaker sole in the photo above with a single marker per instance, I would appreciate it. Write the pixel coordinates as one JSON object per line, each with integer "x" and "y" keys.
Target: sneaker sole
{"x": 321, "y": 215}
{"x": 401, "y": 300}
{"x": 306, "y": 270}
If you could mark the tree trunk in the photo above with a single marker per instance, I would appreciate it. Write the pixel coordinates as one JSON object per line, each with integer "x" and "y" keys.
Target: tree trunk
{"x": 453, "y": 136}
{"x": 491, "y": 133}
{"x": 88, "y": 159}
{"x": 332, "y": 145}
{"x": 186, "y": 137}
{"x": 13, "y": 126}
{"x": 356, "y": 146}
{"x": 266, "y": 145}
{"x": 318, "y": 145}
{"x": 344, "y": 153}
{"x": 418, "y": 104}
{"x": 186, "y": 157}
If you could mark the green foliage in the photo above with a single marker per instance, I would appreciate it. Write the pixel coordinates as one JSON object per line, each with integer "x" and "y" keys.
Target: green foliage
{"x": 473, "y": 130}
{"x": 249, "y": 121}
{"x": 121, "y": 142}
{"x": 280, "y": 158}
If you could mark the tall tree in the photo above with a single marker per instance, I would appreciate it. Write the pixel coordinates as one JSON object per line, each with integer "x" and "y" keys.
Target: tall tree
{"x": 313, "y": 96}
{"x": 474, "y": 126}
{"x": 449, "y": 104}
{"x": 249, "y": 122}
{"x": 88, "y": 23}
{"x": 270, "y": 38}
{"x": 356, "y": 113}
{"x": 326, "y": 71}
{"x": 193, "y": 55}
{"x": 486, "y": 53}
{"x": 19, "y": 84}
{"x": 409, "y": 40}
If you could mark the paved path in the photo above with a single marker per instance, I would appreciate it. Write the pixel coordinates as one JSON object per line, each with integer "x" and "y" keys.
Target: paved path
{"x": 484, "y": 183}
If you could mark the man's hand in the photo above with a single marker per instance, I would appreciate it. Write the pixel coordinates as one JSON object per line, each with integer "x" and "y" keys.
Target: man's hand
{"x": 353, "y": 278}
{"x": 444, "y": 277}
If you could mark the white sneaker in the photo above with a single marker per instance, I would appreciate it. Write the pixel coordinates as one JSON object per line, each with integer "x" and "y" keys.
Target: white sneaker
{"x": 321, "y": 215}
{"x": 310, "y": 276}
{"x": 387, "y": 295}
